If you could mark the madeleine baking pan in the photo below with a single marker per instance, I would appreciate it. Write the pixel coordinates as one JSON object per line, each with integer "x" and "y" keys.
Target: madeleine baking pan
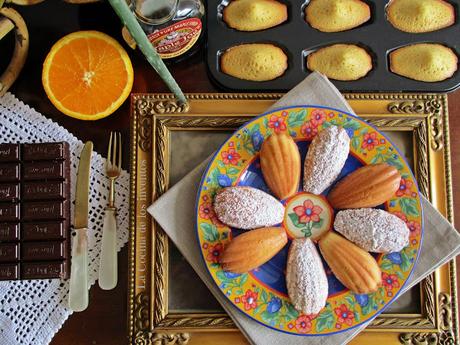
{"x": 298, "y": 39}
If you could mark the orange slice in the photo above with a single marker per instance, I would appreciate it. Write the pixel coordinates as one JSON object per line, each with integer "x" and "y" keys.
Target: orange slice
{"x": 87, "y": 75}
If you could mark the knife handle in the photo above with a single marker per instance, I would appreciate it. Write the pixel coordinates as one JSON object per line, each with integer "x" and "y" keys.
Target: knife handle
{"x": 108, "y": 266}
{"x": 78, "y": 294}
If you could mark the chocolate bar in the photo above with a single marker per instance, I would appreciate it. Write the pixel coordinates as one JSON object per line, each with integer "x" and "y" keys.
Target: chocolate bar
{"x": 44, "y": 170}
{"x": 43, "y": 270}
{"x": 42, "y": 190}
{"x": 39, "y": 251}
{"x": 9, "y": 271}
{"x": 9, "y": 252}
{"x": 9, "y": 172}
{"x": 43, "y": 230}
{"x": 9, "y": 212}
{"x": 34, "y": 211}
{"x": 47, "y": 151}
{"x": 9, "y": 153}
{"x": 9, "y": 232}
{"x": 9, "y": 191}
{"x": 39, "y": 210}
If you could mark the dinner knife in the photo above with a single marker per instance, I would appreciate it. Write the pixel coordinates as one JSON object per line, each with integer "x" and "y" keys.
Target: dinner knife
{"x": 78, "y": 294}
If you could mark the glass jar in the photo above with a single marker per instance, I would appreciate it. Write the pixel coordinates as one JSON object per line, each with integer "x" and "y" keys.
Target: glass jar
{"x": 175, "y": 27}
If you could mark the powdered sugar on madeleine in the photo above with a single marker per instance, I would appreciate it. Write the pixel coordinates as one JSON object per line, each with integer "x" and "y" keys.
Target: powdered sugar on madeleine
{"x": 247, "y": 208}
{"x": 325, "y": 159}
{"x": 305, "y": 277}
{"x": 373, "y": 229}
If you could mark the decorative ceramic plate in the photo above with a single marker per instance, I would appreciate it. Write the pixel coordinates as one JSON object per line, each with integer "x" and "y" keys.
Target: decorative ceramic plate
{"x": 261, "y": 294}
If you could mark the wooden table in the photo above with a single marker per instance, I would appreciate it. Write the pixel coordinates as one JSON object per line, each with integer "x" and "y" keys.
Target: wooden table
{"x": 104, "y": 322}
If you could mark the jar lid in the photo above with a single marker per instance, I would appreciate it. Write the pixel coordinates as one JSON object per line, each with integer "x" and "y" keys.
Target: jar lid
{"x": 155, "y": 11}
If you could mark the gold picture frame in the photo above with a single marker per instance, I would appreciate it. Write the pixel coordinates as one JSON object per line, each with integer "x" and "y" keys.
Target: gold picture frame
{"x": 155, "y": 117}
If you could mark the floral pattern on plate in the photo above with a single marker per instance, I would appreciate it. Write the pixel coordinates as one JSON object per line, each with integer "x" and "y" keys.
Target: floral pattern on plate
{"x": 261, "y": 294}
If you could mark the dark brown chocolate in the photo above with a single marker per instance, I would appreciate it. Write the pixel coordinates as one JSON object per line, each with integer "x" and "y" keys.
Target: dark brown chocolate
{"x": 9, "y": 153}
{"x": 44, "y": 170}
{"x": 43, "y": 190}
{"x": 9, "y": 212}
{"x": 34, "y": 211}
{"x": 39, "y": 251}
{"x": 46, "y": 151}
{"x": 39, "y": 210}
{"x": 9, "y": 172}
{"x": 9, "y": 232}
{"x": 9, "y": 252}
{"x": 43, "y": 270}
{"x": 9, "y": 271}
{"x": 43, "y": 231}
{"x": 9, "y": 191}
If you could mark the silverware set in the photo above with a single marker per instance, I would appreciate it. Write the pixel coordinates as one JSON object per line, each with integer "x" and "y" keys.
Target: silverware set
{"x": 108, "y": 264}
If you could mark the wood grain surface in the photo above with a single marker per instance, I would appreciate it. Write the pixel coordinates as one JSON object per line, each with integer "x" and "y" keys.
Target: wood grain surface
{"x": 105, "y": 321}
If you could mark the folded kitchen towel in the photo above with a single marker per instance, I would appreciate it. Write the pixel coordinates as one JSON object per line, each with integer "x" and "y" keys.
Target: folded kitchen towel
{"x": 441, "y": 241}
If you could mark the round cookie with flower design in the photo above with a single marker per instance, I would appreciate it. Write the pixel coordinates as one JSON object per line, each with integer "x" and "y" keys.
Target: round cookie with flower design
{"x": 274, "y": 190}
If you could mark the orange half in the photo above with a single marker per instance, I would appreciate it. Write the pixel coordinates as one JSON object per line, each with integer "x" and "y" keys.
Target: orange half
{"x": 87, "y": 75}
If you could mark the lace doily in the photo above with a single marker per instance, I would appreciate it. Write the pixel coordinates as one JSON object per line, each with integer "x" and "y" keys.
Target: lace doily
{"x": 31, "y": 312}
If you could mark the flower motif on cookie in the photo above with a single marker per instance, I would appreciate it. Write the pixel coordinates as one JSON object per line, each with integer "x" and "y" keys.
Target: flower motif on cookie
{"x": 308, "y": 212}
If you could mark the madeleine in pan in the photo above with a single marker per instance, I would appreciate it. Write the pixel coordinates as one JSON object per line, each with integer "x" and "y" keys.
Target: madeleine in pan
{"x": 418, "y": 16}
{"x": 337, "y": 15}
{"x": 254, "y": 15}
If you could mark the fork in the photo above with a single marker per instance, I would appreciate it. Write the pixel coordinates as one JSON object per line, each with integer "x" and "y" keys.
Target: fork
{"x": 108, "y": 265}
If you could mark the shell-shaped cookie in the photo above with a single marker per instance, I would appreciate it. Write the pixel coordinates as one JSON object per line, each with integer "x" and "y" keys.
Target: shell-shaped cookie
{"x": 373, "y": 230}
{"x": 252, "y": 249}
{"x": 247, "y": 208}
{"x": 427, "y": 62}
{"x": 353, "y": 267}
{"x": 341, "y": 62}
{"x": 254, "y": 15}
{"x": 325, "y": 159}
{"x": 305, "y": 277}
{"x": 417, "y": 16}
{"x": 254, "y": 61}
{"x": 336, "y": 15}
{"x": 280, "y": 164}
{"x": 368, "y": 186}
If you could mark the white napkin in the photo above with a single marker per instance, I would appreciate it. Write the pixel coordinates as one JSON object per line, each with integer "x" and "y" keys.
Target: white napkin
{"x": 440, "y": 244}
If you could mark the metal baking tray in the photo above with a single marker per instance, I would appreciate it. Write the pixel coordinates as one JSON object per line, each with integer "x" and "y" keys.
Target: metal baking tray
{"x": 298, "y": 39}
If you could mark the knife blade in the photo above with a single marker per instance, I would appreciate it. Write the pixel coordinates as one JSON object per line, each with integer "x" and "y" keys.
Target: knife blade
{"x": 78, "y": 294}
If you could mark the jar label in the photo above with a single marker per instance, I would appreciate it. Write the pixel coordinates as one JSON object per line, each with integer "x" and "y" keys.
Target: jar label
{"x": 176, "y": 39}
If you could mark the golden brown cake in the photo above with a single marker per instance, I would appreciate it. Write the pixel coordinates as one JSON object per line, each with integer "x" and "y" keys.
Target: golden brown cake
{"x": 252, "y": 249}
{"x": 256, "y": 61}
{"x": 341, "y": 62}
{"x": 337, "y": 15}
{"x": 355, "y": 268}
{"x": 368, "y": 186}
{"x": 254, "y": 15}
{"x": 280, "y": 164}
{"x": 424, "y": 62}
{"x": 417, "y": 16}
